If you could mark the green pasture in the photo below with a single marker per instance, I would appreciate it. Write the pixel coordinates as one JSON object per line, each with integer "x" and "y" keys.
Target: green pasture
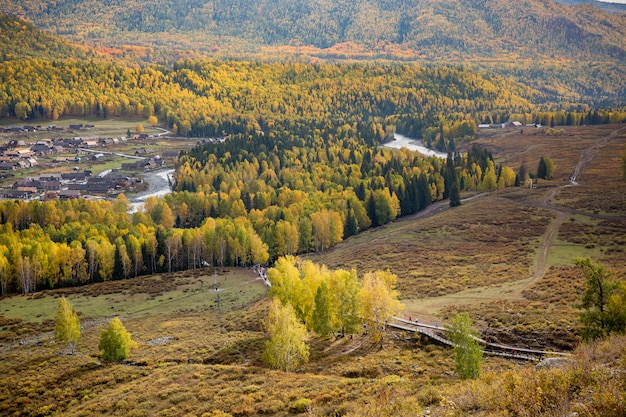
{"x": 237, "y": 287}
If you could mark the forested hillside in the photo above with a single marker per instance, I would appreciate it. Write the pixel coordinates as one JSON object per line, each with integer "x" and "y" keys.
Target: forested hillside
{"x": 572, "y": 53}
{"x": 299, "y": 173}
{"x": 215, "y": 98}
{"x": 20, "y": 39}
{"x": 434, "y": 28}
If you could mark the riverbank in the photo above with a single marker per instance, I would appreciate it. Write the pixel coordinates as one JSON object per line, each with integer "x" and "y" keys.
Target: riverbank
{"x": 401, "y": 141}
{"x": 159, "y": 185}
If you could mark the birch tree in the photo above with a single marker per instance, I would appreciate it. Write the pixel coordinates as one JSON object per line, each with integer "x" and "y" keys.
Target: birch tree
{"x": 115, "y": 342}
{"x": 67, "y": 326}
{"x": 379, "y": 302}
{"x": 4, "y": 270}
{"x": 286, "y": 349}
{"x": 345, "y": 302}
{"x": 468, "y": 354}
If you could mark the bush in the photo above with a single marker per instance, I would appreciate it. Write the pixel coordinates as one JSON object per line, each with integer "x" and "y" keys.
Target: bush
{"x": 115, "y": 342}
{"x": 301, "y": 405}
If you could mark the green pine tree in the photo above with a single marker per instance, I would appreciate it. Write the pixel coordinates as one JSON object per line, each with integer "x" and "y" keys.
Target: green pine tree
{"x": 603, "y": 302}
{"x": 455, "y": 195}
{"x": 321, "y": 314}
{"x": 351, "y": 227}
{"x": 545, "y": 169}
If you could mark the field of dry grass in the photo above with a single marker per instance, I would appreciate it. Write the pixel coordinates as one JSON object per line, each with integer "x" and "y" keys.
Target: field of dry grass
{"x": 484, "y": 258}
{"x": 487, "y": 241}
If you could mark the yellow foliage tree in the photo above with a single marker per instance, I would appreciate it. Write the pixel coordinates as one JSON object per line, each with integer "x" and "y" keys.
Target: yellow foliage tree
{"x": 67, "y": 326}
{"x": 115, "y": 342}
{"x": 379, "y": 302}
{"x": 286, "y": 348}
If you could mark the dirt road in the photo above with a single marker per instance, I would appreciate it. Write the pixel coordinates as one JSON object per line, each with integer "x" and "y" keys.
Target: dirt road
{"x": 513, "y": 291}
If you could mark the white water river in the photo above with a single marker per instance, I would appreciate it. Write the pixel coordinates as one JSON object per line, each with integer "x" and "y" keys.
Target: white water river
{"x": 158, "y": 186}
{"x": 401, "y": 141}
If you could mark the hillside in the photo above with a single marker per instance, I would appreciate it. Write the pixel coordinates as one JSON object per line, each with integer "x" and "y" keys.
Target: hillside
{"x": 434, "y": 29}
{"x": 193, "y": 359}
{"x": 198, "y": 357}
{"x": 514, "y": 263}
{"x": 574, "y": 53}
{"x": 19, "y": 39}
{"x": 611, "y": 7}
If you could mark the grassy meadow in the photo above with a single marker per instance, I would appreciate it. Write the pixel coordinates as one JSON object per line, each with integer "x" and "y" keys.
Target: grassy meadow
{"x": 197, "y": 358}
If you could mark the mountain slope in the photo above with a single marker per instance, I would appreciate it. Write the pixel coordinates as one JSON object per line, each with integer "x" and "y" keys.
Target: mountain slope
{"x": 573, "y": 53}
{"x": 435, "y": 28}
{"x": 19, "y": 39}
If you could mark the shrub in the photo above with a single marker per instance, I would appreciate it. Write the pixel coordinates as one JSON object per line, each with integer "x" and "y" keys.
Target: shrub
{"x": 115, "y": 342}
{"x": 301, "y": 405}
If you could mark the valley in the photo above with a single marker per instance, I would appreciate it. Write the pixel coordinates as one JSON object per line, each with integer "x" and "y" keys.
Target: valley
{"x": 526, "y": 298}
{"x": 332, "y": 209}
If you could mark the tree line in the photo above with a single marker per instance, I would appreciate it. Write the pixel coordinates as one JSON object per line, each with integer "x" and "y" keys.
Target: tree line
{"x": 80, "y": 242}
{"x": 213, "y": 98}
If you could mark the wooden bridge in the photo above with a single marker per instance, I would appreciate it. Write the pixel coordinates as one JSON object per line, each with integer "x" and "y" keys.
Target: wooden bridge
{"x": 495, "y": 349}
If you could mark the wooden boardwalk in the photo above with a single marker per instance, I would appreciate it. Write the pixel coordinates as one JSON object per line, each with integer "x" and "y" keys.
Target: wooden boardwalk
{"x": 495, "y": 349}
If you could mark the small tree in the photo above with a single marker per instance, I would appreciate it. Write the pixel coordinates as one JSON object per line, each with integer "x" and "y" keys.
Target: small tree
{"x": 603, "y": 303}
{"x": 139, "y": 128}
{"x": 545, "y": 169}
{"x": 455, "y": 195}
{"x": 153, "y": 120}
{"x": 67, "y": 327}
{"x": 522, "y": 174}
{"x": 115, "y": 342}
{"x": 468, "y": 354}
{"x": 286, "y": 348}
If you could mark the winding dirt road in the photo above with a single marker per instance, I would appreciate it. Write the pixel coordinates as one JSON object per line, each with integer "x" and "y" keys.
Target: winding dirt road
{"x": 513, "y": 291}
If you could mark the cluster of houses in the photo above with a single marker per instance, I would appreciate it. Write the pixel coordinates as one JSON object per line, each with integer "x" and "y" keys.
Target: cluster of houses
{"x": 16, "y": 154}
{"x": 204, "y": 141}
{"x": 69, "y": 185}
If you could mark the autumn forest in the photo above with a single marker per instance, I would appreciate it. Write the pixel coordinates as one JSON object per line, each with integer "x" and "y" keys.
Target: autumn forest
{"x": 267, "y": 248}
{"x": 301, "y": 170}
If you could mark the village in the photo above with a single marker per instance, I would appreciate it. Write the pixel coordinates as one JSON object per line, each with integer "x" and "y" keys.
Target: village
{"x": 64, "y": 168}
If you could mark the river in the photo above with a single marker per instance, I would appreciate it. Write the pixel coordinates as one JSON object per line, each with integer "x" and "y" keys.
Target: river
{"x": 401, "y": 141}
{"x": 158, "y": 186}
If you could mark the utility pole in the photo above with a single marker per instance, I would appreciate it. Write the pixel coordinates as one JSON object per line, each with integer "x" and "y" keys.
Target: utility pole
{"x": 217, "y": 291}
